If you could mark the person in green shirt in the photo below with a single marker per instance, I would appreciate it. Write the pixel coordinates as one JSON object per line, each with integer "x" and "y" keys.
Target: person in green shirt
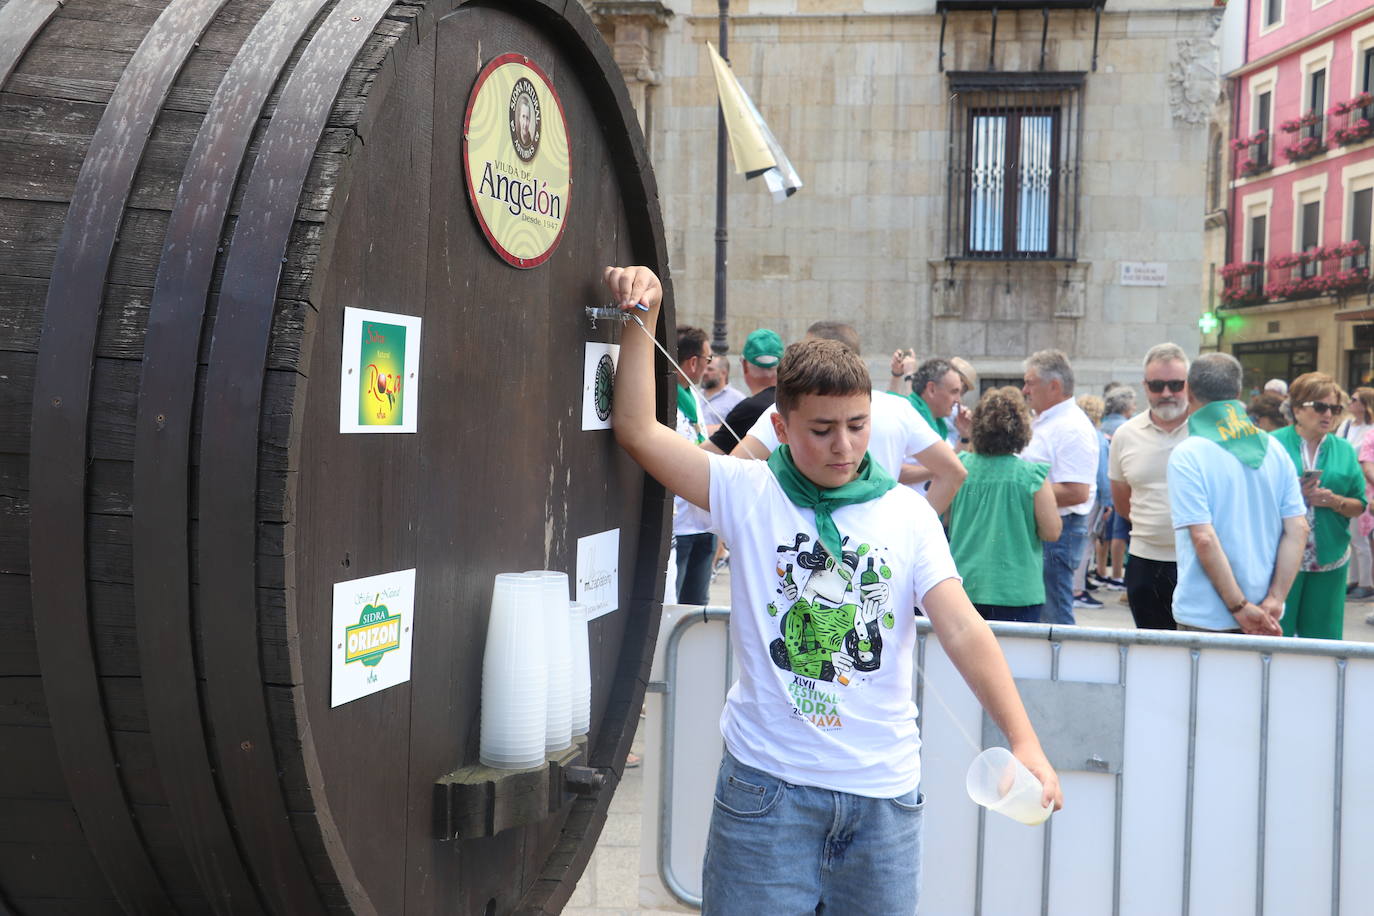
{"x": 1333, "y": 488}
{"x": 1003, "y": 513}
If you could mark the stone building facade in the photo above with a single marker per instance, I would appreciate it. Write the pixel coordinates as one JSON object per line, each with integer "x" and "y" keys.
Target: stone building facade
{"x": 902, "y": 118}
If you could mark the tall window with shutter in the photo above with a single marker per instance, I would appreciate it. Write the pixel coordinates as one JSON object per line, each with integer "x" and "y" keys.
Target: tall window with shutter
{"x": 1014, "y": 166}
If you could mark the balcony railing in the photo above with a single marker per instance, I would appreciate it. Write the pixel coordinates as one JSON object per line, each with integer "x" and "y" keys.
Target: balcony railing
{"x": 1332, "y": 270}
{"x": 1352, "y": 121}
{"x": 1305, "y": 137}
{"x": 1254, "y": 154}
{"x": 1243, "y": 283}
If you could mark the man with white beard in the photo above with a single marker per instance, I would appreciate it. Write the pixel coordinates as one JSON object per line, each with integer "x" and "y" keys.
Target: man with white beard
{"x": 1140, "y": 491}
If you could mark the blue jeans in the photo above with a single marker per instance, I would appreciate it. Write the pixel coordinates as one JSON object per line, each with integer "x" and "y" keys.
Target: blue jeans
{"x": 788, "y": 850}
{"x": 1061, "y": 559}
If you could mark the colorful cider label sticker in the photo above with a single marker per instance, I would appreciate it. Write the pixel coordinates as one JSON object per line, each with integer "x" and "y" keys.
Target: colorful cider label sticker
{"x": 381, "y": 375}
{"x": 517, "y": 159}
{"x": 372, "y": 635}
{"x": 379, "y": 379}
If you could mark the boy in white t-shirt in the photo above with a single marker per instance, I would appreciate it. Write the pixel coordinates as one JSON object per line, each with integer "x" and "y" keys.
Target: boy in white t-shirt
{"x": 817, "y": 801}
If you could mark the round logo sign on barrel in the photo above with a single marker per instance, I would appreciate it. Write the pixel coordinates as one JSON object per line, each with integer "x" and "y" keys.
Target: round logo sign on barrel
{"x": 515, "y": 150}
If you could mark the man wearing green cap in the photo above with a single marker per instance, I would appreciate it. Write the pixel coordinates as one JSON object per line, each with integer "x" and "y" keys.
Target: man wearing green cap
{"x": 1238, "y": 514}
{"x": 762, "y": 351}
{"x": 817, "y": 803}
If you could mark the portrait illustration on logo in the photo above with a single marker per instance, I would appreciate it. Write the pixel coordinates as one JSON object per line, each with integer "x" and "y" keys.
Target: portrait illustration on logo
{"x": 832, "y": 612}
{"x": 525, "y": 119}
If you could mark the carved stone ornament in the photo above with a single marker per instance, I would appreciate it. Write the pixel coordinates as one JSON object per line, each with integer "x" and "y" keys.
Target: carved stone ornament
{"x": 946, "y": 298}
{"x": 1194, "y": 80}
{"x": 1072, "y": 300}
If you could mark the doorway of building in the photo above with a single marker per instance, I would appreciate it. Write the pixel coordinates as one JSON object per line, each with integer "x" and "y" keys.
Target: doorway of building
{"x": 1360, "y": 361}
{"x": 1285, "y": 359}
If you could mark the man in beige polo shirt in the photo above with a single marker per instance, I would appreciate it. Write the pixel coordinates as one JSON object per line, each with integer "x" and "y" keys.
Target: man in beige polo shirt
{"x": 1139, "y": 460}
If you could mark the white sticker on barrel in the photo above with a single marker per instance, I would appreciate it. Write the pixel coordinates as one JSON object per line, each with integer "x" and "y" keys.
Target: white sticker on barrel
{"x": 598, "y": 572}
{"x": 379, "y": 380}
{"x": 598, "y": 381}
{"x": 374, "y": 620}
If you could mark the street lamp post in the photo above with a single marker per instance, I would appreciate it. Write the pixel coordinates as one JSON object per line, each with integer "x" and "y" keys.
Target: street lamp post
{"x": 718, "y": 342}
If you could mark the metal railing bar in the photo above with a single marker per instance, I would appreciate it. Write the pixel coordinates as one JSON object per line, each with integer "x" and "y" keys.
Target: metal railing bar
{"x": 1058, "y": 635}
{"x": 1337, "y": 789}
{"x": 1265, "y": 661}
{"x": 1193, "y": 667}
{"x": 1055, "y": 646}
{"x": 1120, "y": 792}
{"x": 665, "y": 773}
{"x": 978, "y": 865}
{"x": 1326, "y": 648}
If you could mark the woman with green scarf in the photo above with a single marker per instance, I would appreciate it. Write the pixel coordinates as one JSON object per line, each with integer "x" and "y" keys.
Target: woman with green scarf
{"x": 1333, "y": 488}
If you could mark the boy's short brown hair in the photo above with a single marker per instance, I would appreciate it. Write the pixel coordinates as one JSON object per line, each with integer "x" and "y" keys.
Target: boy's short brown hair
{"x": 820, "y": 367}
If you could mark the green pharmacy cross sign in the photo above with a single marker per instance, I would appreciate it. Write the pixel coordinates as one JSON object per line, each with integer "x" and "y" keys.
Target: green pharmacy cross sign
{"x": 1208, "y": 323}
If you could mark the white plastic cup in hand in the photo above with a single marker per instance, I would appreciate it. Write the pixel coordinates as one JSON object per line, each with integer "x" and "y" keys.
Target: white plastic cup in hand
{"x": 514, "y": 676}
{"x": 558, "y": 646}
{"x": 581, "y": 669}
{"x": 1001, "y": 783}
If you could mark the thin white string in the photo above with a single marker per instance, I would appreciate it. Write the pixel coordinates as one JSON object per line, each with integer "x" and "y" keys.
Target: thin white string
{"x": 697, "y": 392}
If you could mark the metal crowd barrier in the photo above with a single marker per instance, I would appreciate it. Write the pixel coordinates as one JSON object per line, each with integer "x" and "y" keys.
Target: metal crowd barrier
{"x": 1203, "y": 773}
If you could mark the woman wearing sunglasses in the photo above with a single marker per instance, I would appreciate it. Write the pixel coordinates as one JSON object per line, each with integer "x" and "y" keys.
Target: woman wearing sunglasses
{"x": 1333, "y": 488}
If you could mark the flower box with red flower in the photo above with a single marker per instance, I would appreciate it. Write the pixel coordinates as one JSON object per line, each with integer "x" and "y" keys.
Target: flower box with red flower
{"x": 1349, "y": 105}
{"x": 1305, "y": 148}
{"x": 1356, "y": 132}
{"x": 1241, "y": 295}
{"x": 1293, "y": 125}
{"x": 1240, "y": 269}
{"x": 1343, "y": 281}
{"x": 1299, "y": 288}
{"x": 1254, "y": 139}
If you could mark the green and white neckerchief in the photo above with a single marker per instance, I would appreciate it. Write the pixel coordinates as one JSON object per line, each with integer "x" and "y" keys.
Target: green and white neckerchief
{"x": 687, "y": 405}
{"x": 869, "y": 483}
{"x": 1226, "y": 424}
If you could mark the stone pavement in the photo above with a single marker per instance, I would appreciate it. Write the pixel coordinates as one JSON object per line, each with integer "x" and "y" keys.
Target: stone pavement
{"x": 610, "y": 885}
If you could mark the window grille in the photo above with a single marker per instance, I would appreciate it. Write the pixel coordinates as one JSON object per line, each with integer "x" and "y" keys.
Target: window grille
{"x": 1014, "y": 166}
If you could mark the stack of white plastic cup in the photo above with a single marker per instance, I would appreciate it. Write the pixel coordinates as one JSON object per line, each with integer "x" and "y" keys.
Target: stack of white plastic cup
{"x": 515, "y": 676}
{"x": 557, "y": 642}
{"x": 581, "y": 669}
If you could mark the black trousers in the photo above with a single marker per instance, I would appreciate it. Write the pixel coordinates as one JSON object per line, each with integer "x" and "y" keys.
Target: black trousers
{"x": 1150, "y": 590}
{"x": 694, "y": 555}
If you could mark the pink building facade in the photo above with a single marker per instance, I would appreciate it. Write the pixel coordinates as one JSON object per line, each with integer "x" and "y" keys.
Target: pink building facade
{"x": 1301, "y": 201}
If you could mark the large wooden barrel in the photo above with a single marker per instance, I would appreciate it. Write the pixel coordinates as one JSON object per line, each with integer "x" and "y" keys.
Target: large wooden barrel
{"x": 192, "y": 193}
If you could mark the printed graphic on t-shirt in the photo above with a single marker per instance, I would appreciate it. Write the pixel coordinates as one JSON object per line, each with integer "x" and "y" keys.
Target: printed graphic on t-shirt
{"x": 831, "y": 617}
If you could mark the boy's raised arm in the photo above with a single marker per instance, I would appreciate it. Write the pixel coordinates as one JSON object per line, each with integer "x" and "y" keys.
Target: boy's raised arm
{"x": 673, "y": 461}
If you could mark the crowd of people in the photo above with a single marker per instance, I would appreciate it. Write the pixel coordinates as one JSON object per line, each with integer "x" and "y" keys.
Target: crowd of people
{"x": 1053, "y": 500}
{"x": 846, "y": 507}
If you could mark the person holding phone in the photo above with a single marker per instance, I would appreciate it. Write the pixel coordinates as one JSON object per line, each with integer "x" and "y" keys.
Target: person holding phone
{"x": 1333, "y": 489}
